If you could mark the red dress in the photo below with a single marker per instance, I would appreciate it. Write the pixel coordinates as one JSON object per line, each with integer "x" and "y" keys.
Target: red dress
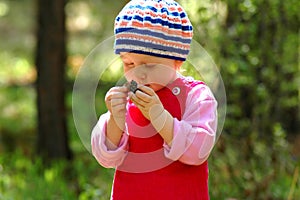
{"x": 146, "y": 174}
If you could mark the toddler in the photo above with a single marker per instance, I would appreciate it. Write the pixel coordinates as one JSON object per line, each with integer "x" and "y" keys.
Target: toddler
{"x": 158, "y": 137}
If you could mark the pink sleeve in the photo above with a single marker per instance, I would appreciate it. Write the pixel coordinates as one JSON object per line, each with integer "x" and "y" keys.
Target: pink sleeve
{"x": 107, "y": 158}
{"x": 194, "y": 135}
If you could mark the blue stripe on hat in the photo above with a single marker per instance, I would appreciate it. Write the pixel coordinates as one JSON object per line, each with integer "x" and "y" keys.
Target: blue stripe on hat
{"x": 150, "y": 45}
{"x": 143, "y": 7}
{"x": 153, "y": 34}
{"x": 118, "y": 51}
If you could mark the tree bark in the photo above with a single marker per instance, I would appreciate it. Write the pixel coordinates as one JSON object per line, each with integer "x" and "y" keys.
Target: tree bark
{"x": 50, "y": 61}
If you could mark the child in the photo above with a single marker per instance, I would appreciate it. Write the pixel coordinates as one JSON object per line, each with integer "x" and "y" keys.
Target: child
{"x": 159, "y": 136}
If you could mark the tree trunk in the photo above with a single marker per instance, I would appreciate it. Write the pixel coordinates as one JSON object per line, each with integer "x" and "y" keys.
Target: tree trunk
{"x": 50, "y": 61}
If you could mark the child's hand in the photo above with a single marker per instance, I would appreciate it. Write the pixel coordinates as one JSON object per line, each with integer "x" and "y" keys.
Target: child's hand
{"x": 115, "y": 100}
{"x": 148, "y": 102}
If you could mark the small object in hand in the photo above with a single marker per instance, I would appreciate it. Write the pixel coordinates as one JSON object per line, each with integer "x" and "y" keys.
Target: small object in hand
{"x": 132, "y": 86}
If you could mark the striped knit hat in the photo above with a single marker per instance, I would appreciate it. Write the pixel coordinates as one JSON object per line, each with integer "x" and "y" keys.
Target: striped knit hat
{"x": 153, "y": 27}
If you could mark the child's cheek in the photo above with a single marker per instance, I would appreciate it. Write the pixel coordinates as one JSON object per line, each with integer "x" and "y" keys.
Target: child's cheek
{"x": 162, "y": 78}
{"x": 129, "y": 76}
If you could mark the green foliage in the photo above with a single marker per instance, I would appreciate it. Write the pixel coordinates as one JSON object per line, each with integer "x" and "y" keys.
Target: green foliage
{"x": 239, "y": 169}
{"x": 255, "y": 43}
{"x": 17, "y": 119}
{"x": 258, "y": 43}
{"x": 23, "y": 178}
{"x": 17, "y": 99}
{"x": 16, "y": 105}
{"x": 252, "y": 168}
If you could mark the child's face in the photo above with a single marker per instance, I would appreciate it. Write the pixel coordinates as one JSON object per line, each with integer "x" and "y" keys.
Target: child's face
{"x": 154, "y": 72}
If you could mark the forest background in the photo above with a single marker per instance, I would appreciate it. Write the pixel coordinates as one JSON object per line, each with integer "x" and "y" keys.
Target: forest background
{"x": 254, "y": 43}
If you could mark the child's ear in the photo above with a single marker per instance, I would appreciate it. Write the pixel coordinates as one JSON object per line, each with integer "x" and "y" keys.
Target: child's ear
{"x": 178, "y": 64}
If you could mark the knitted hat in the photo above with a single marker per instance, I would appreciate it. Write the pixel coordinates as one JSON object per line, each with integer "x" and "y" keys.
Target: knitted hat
{"x": 153, "y": 27}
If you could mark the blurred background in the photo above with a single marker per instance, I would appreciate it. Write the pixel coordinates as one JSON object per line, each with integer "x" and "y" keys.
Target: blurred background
{"x": 43, "y": 43}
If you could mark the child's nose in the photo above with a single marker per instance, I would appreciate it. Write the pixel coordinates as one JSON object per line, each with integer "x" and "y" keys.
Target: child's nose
{"x": 141, "y": 73}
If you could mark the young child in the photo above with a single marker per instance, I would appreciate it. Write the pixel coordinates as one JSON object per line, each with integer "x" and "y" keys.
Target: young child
{"x": 159, "y": 136}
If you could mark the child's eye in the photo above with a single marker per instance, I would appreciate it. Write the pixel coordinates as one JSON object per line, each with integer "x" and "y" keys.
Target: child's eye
{"x": 129, "y": 64}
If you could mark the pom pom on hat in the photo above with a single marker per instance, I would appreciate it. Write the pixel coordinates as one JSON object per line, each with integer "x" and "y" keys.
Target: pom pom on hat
{"x": 153, "y": 27}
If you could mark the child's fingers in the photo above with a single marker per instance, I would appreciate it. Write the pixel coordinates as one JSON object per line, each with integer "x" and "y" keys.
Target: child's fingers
{"x": 116, "y": 96}
{"x": 143, "y": 99}
{"x": 118, "y": 110}
{"x": 143, "y": 96}
{"x": 122, "y": 92}
{"x": 116, "y": 93}
{"x": 118, "y": 101}
{"x": 119, "y": 89}
{"x": 135, "y": 99}
{"x": 119, "y": 107}
{"x": 143, "y": 92}
{"x": 147, "y": 90}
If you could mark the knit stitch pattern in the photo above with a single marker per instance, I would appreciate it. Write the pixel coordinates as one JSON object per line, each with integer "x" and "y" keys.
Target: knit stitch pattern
{"x": 153, "y": 27}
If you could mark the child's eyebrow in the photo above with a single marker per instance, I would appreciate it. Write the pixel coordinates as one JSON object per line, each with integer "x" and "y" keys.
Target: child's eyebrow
{"x": 124, "y": 57}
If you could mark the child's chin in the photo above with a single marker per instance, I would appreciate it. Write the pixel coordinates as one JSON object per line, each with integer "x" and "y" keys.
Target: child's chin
{"x": 155, "y": 86}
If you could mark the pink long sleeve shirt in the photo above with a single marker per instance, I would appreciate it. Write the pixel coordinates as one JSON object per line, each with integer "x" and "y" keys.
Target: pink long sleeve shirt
{"x": 193, "y": 137}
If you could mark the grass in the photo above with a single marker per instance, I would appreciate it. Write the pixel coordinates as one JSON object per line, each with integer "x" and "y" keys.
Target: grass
{"x": 25, "y": 178}
{"x": 233, "y": 175}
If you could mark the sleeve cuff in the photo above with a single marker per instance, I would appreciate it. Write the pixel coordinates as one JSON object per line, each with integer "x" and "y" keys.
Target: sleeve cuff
{"x": 177, "y": 148}
{"x": 107, "y": 158}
